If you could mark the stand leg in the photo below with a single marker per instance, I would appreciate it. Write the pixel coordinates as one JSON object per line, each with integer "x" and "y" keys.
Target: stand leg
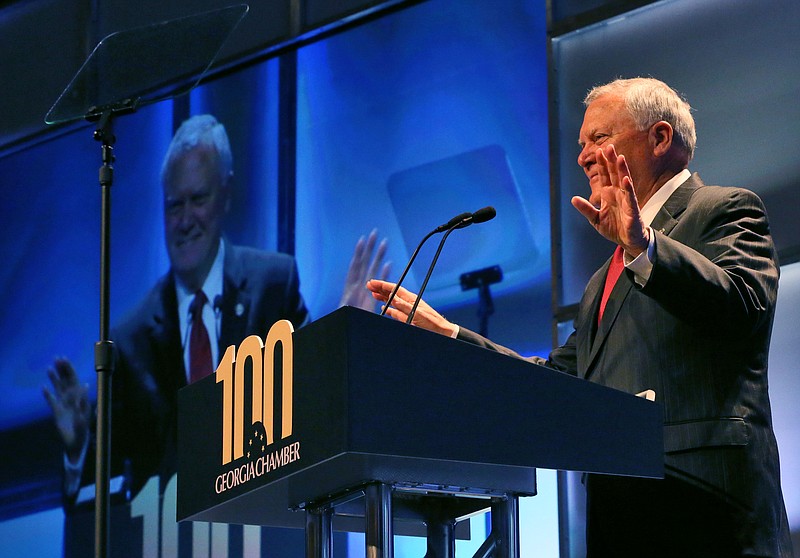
{"x": 319, "y": 534}
{"x": 485, "y": 308}
{"x": 379, "y": 531}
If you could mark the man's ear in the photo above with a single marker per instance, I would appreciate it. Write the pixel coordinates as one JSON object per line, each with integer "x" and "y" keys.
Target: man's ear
{"x": 660, "y": 138}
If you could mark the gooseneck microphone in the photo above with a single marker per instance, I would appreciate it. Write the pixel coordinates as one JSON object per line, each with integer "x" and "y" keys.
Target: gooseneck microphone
{"x": 481, "y": 216}
{"x": 457, "y": 220}
{"x": 450, "y": 224}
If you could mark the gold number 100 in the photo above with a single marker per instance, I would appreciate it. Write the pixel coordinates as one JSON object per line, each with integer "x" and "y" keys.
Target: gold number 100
{"x": 231, "y": 372}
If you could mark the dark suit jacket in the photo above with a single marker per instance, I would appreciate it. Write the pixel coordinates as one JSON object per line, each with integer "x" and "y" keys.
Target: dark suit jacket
{"x": 259, "y": 288}
{"x": 698, "y": 334}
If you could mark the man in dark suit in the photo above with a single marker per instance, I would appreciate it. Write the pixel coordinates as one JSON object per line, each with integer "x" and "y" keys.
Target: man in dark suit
{"x": 684, "y": 308}
{"x": 226, "y": 292}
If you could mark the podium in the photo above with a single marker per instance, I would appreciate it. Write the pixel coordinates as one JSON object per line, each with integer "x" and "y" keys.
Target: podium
{"x": 357, "y": 411}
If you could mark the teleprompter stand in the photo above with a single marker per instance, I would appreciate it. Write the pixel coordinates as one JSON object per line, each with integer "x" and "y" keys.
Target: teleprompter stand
{"x": 389, "y": 428}
{"x": 481, "y": 279}
{"x": 127, "y": 70}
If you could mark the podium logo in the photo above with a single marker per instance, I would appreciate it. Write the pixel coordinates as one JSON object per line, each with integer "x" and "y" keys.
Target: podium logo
{"x": 261, "y": 422}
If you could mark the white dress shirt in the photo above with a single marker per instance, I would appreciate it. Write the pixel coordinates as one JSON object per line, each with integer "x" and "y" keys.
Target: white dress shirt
{"x": 212, "y": 287}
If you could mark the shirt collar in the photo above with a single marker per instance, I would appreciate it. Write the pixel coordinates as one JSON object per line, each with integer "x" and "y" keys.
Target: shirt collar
{"x": 653, "y": 205}
{"x": 212, "y": 287}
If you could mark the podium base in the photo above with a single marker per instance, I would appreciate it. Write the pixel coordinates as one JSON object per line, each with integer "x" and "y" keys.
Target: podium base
{"x": 383, "y": 505}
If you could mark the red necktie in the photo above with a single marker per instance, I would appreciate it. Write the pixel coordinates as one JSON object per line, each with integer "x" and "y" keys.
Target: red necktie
{"x": 199, "y": 343}
{"x": 614, "y": 271}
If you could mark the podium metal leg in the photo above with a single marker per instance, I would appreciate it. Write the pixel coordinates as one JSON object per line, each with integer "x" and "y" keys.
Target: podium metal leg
{"x": 441, "y": 539}
{"x": 319, "y": 533}
{"x": 486, "y": 550}
{"x": 505, "y": 527}
{"x": 502, "y": 542}
{"x": 379, "y": 531}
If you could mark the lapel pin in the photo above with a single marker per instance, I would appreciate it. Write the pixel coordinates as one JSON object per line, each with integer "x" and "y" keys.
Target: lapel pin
{"x": 239, "y": 309}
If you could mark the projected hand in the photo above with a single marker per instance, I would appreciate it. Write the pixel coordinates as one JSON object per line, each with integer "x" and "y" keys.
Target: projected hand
{"x": 69, "y": 402}
{"x": 364, "y": 265}
{"x": 425, "y": 316}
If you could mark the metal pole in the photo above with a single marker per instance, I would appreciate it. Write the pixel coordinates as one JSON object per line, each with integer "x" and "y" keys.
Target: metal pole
{"x": 505, "y": 527}
{"x": 379, "y": 531}
{"x": 441, "y": 539}
{"x": 103, "y": 350}
{"x": 319, "y": 534}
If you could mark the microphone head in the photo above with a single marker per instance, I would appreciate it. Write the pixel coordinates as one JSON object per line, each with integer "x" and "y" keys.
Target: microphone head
{"x": 454, "y": 221}
{"x": 484, "y": 214}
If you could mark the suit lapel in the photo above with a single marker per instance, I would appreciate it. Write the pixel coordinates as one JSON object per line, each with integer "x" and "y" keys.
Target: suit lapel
{"x": 615, "y": 302}
{"x": 587, "y": 327}
{"x": 168, "y": 345}
{"x": 235, "y": 301}
{"x": 667, "y": 217}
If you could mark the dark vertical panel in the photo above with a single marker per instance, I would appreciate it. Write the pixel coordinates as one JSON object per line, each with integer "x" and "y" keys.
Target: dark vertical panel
{"x": 287, "y": 152}
{"x": 181, "y": 107}
{"x": 244, "y": 102}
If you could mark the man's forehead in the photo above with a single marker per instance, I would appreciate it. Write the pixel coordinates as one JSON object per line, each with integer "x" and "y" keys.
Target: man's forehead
{"x": 197, "y": 169}
{"x": 607, "y": 107}
{"x": 603, "y": 112}
{"x": 198, "y": 156}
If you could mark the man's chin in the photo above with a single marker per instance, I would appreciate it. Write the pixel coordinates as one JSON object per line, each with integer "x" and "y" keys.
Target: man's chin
{"x": 184, "y": 267}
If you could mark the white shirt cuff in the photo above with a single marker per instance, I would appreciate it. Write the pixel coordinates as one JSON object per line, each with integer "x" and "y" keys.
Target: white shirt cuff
{"x": 642, "y": 265}
{"x": 73, "y": 472}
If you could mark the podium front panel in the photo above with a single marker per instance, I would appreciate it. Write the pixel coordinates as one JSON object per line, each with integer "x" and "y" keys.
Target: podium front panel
{"x": 371, "y": 399}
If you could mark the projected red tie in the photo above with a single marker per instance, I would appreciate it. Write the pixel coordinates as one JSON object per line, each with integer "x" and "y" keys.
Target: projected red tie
{"x": 614, "y": 271}
{"x": 199, "y": 343}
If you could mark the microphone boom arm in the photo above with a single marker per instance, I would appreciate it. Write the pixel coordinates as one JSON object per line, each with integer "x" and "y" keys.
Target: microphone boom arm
{"x": 405, "y": 272}
{"x": 464, "y": 222}
{"x": 452, "y": 223}
{"x": 458, "y": 222}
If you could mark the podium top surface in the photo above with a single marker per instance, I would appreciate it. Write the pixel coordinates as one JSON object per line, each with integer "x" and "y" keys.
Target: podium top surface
{"x": 368, "y": 398}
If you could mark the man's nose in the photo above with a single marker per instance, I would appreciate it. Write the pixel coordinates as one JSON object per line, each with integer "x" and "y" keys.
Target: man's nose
{"x": 585, "y": 156}
{"x": 186, "y": 218}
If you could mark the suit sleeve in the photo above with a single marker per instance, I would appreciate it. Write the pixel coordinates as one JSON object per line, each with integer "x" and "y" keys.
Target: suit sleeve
{"x": 294, "y": 308}
{"x": 562, "y": 358}
{"x": 722, "y": 274}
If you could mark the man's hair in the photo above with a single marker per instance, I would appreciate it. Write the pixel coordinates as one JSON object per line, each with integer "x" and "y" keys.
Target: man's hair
{"x": 202, "y": 130}
{"x": 649, "y": 101}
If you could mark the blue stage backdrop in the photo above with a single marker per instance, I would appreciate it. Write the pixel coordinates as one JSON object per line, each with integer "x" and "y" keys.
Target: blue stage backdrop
{"x": 402, "y": 123}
